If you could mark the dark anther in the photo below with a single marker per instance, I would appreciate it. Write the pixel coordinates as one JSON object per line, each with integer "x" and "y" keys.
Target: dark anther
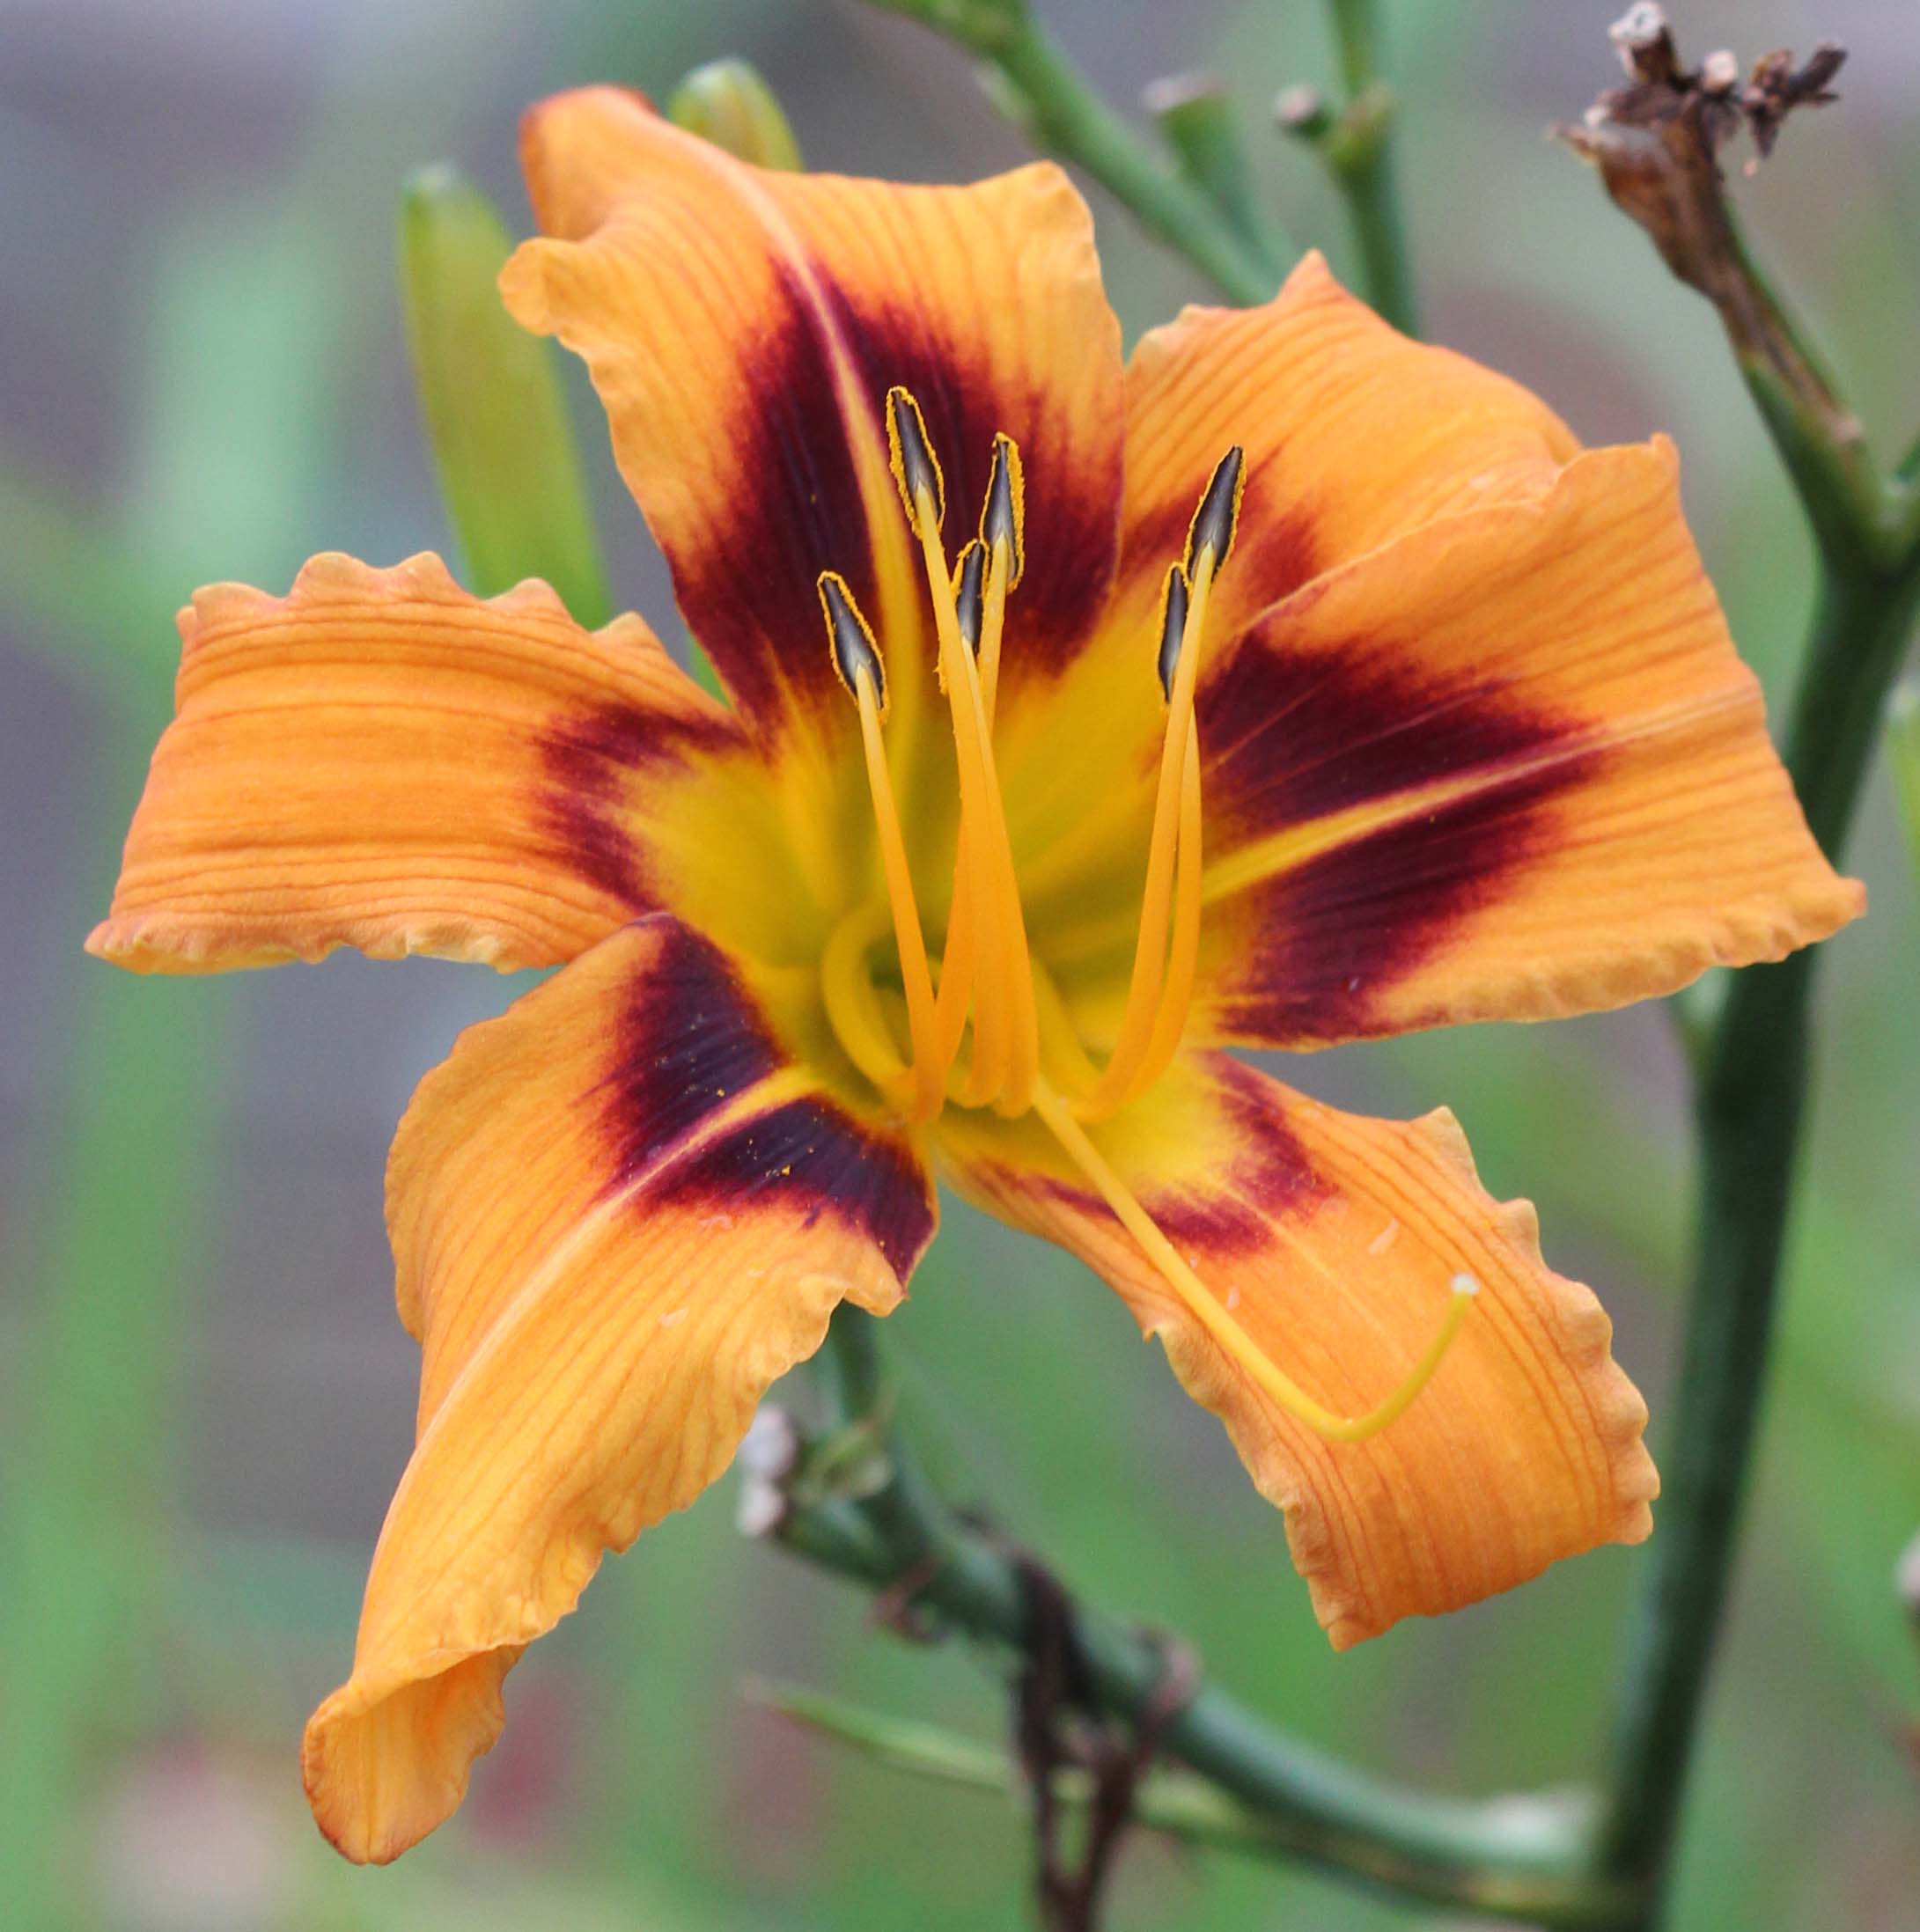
{"x": 1002, "y": 520}
{"x": 1173, "y": 627}
{"x": 853, "y": 647}
{"x": 916, "y": 468}
{"x": 1219, "y": 512}
{"x": 970, "y": 593}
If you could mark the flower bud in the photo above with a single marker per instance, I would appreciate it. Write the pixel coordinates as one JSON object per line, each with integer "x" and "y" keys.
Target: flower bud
{"x": 490, "y": 396}
{"x": 726, "y": 102}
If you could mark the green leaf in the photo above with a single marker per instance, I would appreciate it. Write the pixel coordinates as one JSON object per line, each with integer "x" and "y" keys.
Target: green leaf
{"x": 1171, "y": 1802}
{"x": 491, "y": 395}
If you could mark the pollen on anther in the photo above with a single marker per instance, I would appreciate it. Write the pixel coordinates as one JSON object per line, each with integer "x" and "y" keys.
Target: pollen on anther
{"x": 970, "y": 593}
{"x": 850, "y": 639}
{"x": 1174, "y": 600}
{"x": 917, "y": 469}
{"x": 1219, "y": 514}
{"x": 1002, "y": 517}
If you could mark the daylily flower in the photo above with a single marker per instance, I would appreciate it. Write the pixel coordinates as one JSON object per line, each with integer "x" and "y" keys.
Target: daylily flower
{"x": 1290, "y": 683}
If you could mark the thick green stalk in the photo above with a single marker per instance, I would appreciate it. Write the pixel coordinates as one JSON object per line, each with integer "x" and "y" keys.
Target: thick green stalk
{"x": 1061, "y": 112}
{"x": 1360, "y": 151}
{"x": 1903, "y": 754}
{"x": 1201, "y": 123}
{"x": 1750, "y": 1102}
{"x": 1035, "y": 82}
{"x": 1520, "y": 1860}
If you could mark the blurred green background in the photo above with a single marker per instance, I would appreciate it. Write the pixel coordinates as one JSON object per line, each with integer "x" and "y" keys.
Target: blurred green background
{"x": 206, "y": 1397}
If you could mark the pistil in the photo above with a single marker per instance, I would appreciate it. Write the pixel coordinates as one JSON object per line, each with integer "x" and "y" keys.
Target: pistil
{"x": 1211, "y": 1313}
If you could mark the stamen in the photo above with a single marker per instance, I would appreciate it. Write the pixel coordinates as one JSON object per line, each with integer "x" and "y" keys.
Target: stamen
{"x": 1062, "y": 1058}
{"x": 852, "y": 1011}
{"x": 1183, "y": 614}
{"x": 1155, "y": 900}
{"x": 1207, "y": 1309}
{"x": 1174, "y": 601}
{"x": 1007, "y": 1053}
{"x": 1219, "y": 514}
{"x": 1002, "y": 517}
{"x": 956, "y": 963}
{"x": 970, "y": 593}
{"x": 851, "y": 639}
{"x": 989, "y": 932}
{"x": 1003, "y": 533}
{"x": 917, "y": 469}
{"x": 857, "y": 660}
{"x": 1177, "y": 995}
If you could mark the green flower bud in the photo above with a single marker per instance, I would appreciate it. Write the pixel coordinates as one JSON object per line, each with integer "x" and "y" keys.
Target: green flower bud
{"x": 490, "y": 392}
{"x": 726, "y": 102}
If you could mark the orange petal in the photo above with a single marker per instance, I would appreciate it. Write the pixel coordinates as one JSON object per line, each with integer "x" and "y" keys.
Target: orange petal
{"x": 379, "y": 759}
{"x": 1353, "y": 436}
{"x": 743, "y": 327}
{"x": 1508, "y": 767}
{"x": 1333, "y": 1240}
{"x": 618, "y": 1215}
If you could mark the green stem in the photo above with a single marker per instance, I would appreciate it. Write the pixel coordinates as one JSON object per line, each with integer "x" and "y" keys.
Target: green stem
{"x": 1859, "y": 518}
{"x": 1064, "y": 114}
{"x": 1034, "y": 80}
{"x": 1904, "y": 755}
{"x": 1750, "y": 1104}
{"x": 1360, "y": 155}
{"x": 1201, "y": 123}
{"x": 1521, "y": 1860}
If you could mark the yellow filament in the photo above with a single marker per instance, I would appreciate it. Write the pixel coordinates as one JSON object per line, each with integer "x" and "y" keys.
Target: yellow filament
{"x": 957, "y": 968}
{"x": 1156, "y": 901}
{"x": 956, "y": 964}
{"x": 1063, "y": 1059}
{"x": 1025, "y": 1063}
{"x": 1177, "y": 995}
{"x": 852, "y": 1010}
{"x": 1006, "y": 1043}
{"x": 975, "y": 859}
{"x": 917, "y": 982}
{"x": 1206, "y": 1309}
{"x": 993, "y": 622}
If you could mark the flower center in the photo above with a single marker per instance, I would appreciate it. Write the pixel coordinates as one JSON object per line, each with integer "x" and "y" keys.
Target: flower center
{"x": 1023, "y": 1055}
{"x": 993, "y": 997}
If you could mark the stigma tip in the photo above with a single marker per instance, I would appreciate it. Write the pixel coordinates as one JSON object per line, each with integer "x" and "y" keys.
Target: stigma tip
{"x": 1173, "y": 627}
{"x": 850, "y": 639}
{"x": 1465, "y": 1284}
{"x": 917, "y": 470}
{"x": 1002, "y": 519}
{"x": 970, "y": 593}
{"x": 1219, "y": 514}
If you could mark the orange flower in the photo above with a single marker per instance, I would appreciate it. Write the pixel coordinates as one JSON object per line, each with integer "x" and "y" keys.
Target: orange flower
{"x": 1449, "y": 698}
